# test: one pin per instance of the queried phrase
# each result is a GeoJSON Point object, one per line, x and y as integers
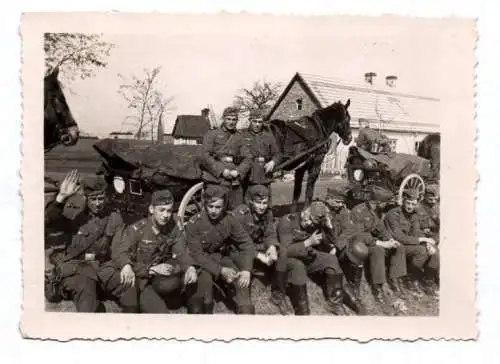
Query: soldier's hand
{"type": "Point", "coordinates": [269, 166]}
{"type": "Point", "coordinates": [69, 186]}
{"type": "Point", "coordinates": [314, 239]}
{"type": "Point", "coordinates": [190, 276]}
{"type": "Point", "coordinates": [244, 279]}
{"type": "Point", "coordinates": [127, 276]}
{"type": "Point", "coordinates": [333, 251]}
{"type": "Point", "coordinates": [162, 269]}
{"type": "Point", "coordinates": [234, 173]}
{"type": "Point", "coordinates": [228, 274]}
{"type": "Point", "coordinates": [226, 174]}
{"type": "Point", "coordinates": [272, 253]}
{"type": "Point", "coordinates": [264, 259]}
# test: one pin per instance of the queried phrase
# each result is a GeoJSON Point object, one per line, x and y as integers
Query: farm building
{"type": "Point", "coordinates": [405, 118]}
{"type": "Point", "coordinates": [121, 135]}
{"type": "Point", "coordinates": [190, 129]}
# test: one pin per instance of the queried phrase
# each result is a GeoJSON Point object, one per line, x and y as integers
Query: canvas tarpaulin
{"type": "Point", "coordinates": [179, 161]}
{"type": "Point", "coordinates": [399, 165]}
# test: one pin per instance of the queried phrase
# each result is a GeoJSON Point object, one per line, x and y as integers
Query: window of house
{"type": "Point", "coordinates": [299, 104]}
{"type": "Point", "coordinates": [394, 144]}
{"type": "Point", "coordinates": [417, 145]}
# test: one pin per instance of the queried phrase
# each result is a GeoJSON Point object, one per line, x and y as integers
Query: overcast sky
{"type": "Point", "coordinates": [207, 62]}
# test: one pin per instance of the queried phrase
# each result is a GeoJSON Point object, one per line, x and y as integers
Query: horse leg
{"type": "Point", "coordinates": [312, 177]}
{"type": "Point", "coordinates": [297, 187]}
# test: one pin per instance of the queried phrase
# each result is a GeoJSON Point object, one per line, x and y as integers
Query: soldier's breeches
{"type": "Point", "coordinates": [151, 302]}
{"type": "Point", "coordinates": [397, 262]}
{"type": "Point", "coordinates": [241, 295]}
{"type": "Point", "coordinates": [322, 262]}
{"type": "Point", "coordinates": [433, 262]}
{"type": "Point", "coordinates": [234, 196]}
{"type": "Point", "coordinates": [83, 291]}
{"type": "Point", "coordinates": [378, 257]}
{"type": "Point", "coordinates": [297, 273]}
{"type": "Point", "coordinates": [127, 298]}
{"type": "Point", "coordinates": [165, 285]}
{"type": "Point", "coordinates": [202, 291]}
{"type": "Point", "coordinates": [416, 255]}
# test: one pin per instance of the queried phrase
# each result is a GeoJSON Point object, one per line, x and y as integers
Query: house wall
{"type": "Point", "coordinates": [187, 141]}
{"type": "Point", "coordinates": [287, 109]}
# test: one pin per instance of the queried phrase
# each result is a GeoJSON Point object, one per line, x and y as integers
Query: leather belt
{"type": "Point", "coordinates": [260, 159]}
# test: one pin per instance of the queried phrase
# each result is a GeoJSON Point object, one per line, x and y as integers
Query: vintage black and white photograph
{"type": "Point", "coordinates": [252, 165]}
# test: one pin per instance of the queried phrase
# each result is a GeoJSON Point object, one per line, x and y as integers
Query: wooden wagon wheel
{"type": "Point", "coordinates": [190, 204]}
{"type": "Point", "coordinates": [412, 181]}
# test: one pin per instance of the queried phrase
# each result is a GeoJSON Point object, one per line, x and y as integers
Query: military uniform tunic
{"type": "Point", "coordinates": [405, 228]}
{"type": "Point", "coordinates": [429, 220]}
{"type": "Point", "coordinates": [369, 223]}
{"type": "Point", "coordinates": [86, 264]}
{"type": "Point", "coordinates": [263, 149]}
{"type": "Point", "coordinates": [291, 237]}
{"type": "Point", "coordinates": [217, 244]}
{"type": "Point", "coordinates": [143, 245]}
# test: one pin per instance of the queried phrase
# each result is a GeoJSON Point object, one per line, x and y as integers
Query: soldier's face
{"type": "Point", "coordinates": [256, 124]}
{"type": "Point", "coordinates": [431, 200]}
{"type": "Point", "coordinates": [230, 122]}
{"type": "Point", "coordinates": [96, 203]}
{"type": "Point", "coordinates": [162, 213]}
{"type": "Point", "coordinates": [259, 205]}
{"type": "Point", "coordinates": [373, 204]}
{"type": "Point", "coordinates": [215, 208]}
{"type": "Point", "coordinates": [409, 205]}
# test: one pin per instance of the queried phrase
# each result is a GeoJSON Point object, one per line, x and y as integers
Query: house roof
{"type": "Point", "coordinates": [190, 126]}
{"type": "Point", "coordinates": [397, 110]}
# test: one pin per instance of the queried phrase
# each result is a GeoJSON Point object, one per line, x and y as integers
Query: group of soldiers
{"type": "Point", "coordinates": [235, 238]}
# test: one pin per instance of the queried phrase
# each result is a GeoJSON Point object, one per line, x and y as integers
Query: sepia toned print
{"type": "Point", "coordinates": [248, 169]}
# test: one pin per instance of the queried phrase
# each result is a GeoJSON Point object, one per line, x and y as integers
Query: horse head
{"type": "Point", "coordinates": [336, 118]}
{"type": "Point", "coordinates": [59, 125]}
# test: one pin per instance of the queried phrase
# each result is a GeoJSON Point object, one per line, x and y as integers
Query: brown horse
{"type": "Point", "coordinates": [59, 125]}
{"type": "Point", "coordinates": [299, 135]}
{"type": "Point", "coordinates": [430, 149]}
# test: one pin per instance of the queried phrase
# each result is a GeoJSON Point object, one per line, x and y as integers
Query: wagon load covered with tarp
{"type": "Point", "coordinates": [135, 170]}
{"type": "Point", "coordinates": [395, 172]}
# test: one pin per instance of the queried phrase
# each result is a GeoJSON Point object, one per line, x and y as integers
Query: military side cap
{"type": "Point", "coordinates": [256, 114]}
{"type": "Point", "coordinates": [432, 189]}
{"type": "Point", "coordinates": [214, 192]}
{"type": "Point", "coordinates": [381, 194]}
{"type": "Point", "coordinates": [231, 110]}
{"type": "Point", "coordinates": [411, 194]}
{"type": "Point", "coordinates": [337, 193]}
{"type": "Point", "coordinates": [93, 184]}
{"type": "Point", "coordinates": [162, 197]}
{"type": "Point", "coordinates": [318, 210]}
{"type": "Point", "coordinates": [258, 191]}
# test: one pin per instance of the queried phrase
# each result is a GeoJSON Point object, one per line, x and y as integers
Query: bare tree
{"type": "Point", "coordinates": [145, 99]}
{"type": "Point", "coordinates": [76, 54]}
{"type": "Point", "coordinates": [261, 95]}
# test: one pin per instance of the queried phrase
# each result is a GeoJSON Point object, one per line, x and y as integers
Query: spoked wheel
{"type": "Point", "coordinates": [190, 204]}
{"type": "Point", "coordinates": [411, 182]}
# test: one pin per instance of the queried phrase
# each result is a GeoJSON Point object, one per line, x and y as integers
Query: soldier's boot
{"type": "Point", "coordinates": [208, 308]}
{"type": "Point", "coordinates": [397, 287]}
{"type": "Point", "coordinates": [195, 306]}
{"type": "Point", "coordinates": [300, 301]}
{"type": "Point", "coordinates": [334, 293]}
{"type": "Point", "coordinates": [245, 310]}
{"type": "Point", "coordinates": [357, 275]}
{"type": "Point", "coordinates": [379, 294]}
{"type": "Point", "coordinates": [278, 291]}
{"type": "Point", "coordinates": [130, 309]}
{"type": "Point", "coordinates": [428, 285]}
{"type": "Point", "coordinates": [352, 301]}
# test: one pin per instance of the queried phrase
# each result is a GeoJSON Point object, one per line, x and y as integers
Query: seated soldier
{"type": "Point", "coordinates": [152, 255]}
{"type": "Point", "coordinates": [223, 250]}
{"type": "Point", "coordinates": [422, 254]}
{"type": "Point", "coordinates": [257, 219]}
{"type": "Point", "coordinates": [349, 246]}
{"type": "Point", "coordinates": [301, 236]}
{"type": "Point", "coordinates": [85, 268]}
{"type": "Point", "coordinates": [428, 211]}
{"type": "Point", "coordinates": [371, 140]}
{"type": "Point", "coordinates": [367, 217]}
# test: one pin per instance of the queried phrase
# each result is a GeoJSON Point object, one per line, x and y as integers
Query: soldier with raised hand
{"type": "Point", "coordinates": [403, 224]}
{"type": "Point", "coordinates": [367, 217]}
{"type": "Point", "coordinates": [226, 159]}
{"type": "Point", "coordinates": [86, 268]}
{"type": "Point", "coordinates": [223, 250]}
{"type": "Point", "coordinates": [302, 236]}
{"type": "Point", "coordinates": [152, 255]}
{"type": "Point", "coordinates": [262, 145]}
{"type": "Point", "coordinates": [257, 219]}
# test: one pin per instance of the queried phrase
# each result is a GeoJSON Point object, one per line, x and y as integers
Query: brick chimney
{"type": "Point", "coordinates": [205, 112]}
{"type": "Point", "coordinates": [370, 77]}
{"type": "Point", "coordinates": [391, 80]}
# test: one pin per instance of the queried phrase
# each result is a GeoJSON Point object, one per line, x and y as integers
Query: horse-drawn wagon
{"type": "Point", "coordinates": [133, 173]}
{"type": "Point", "coordinates": [395, 172]}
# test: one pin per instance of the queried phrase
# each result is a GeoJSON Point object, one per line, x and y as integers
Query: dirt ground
{"type": "Point", "coordinates": [59, 162]}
